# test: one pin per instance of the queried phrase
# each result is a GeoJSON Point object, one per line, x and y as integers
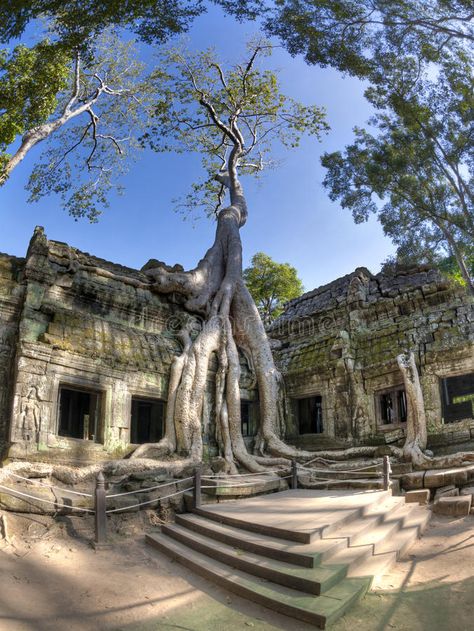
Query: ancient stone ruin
{"type": "Point", "coordinates": [338, 352]}
{"type": "Point", "coordinates": [86, 348]}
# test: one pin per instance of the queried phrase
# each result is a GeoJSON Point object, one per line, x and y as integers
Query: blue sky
{"type": "Point", "coordinates": [290, 215]}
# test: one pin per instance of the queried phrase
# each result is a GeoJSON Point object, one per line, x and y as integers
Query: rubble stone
{"type": "Point", "coordinates": [421, 496]}
{"type": "Point", "coordinates": [453, 506]}
{"type": "Point", "coordinates": [446, 491]}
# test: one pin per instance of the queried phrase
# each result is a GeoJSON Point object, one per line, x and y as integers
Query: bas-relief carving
{"type": "Point", "coordinates": [30, 416]}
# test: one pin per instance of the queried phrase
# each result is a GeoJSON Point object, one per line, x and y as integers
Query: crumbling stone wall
{"type": "Point", "coordinates": [341, 341]}
{"type": "Point", "coordinates": [92, 324]}
{"type": "Point", "coordinates": [11, 296]}
{"type": "Point", "coordinates": [80, 322]}
{"type": "Point", "coordinates": [69, 319]}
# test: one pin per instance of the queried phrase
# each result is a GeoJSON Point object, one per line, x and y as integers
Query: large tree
{"type": "Point", "coordinates": [86, 112]}
{"type": "Point", "coordinates": [80, 86]}
{"type": "Point", "coordinates": [232, 117]}
{"type": "Point", "coordinates": [271, 285]}
{"type": "Point", "coordinates": [415, 168]}
{"type": "Point", "coordinates": [355, 35]}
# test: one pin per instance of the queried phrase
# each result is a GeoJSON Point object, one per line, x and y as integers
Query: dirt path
{"type": "Point", "coordinates": [52, 581]}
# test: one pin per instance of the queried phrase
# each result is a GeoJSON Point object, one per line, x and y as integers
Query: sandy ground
{"type": "Point", "coordinates": [51, 579]}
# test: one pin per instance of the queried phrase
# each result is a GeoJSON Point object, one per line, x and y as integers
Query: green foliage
{"type": "Point", "coordinates": [78, 22]}
{"type": "Point", "coordinates": [271, 284]}
{"type": "Point", "coordinates": [355, 35]}
{"type": "Point", "coordinates": [421, 163]}
{"type": "Point", "coordinates": [449, 266]}
{"type": "Point", "coordinates": [243, 96]}
{"type": "Point", "coordinates": [30, 81]}
{"type": "Point", "coordinates": [86, 157]}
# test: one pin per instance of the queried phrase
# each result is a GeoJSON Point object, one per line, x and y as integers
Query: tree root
{"type": "Point", "coordinates": [71, 475]}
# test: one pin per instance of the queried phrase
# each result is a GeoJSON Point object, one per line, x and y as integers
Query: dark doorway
{"type": "Point", "coordinates": [310, 415]}
{"type": "Point", "coordinates": [147, 420]}
{"type": "Point", "coordinates": [79, 414]}
{"type": "Point", "coordinates": [458, 397]}
{"type": "Point", "coordinates": [248, 418]}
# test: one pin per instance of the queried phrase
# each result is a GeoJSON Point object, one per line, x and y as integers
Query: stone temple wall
{"type": "Point", "coordinates": [11, 298]}
{"type": "Point", "coordinates": [86, 323]}
{"type": "Point", "coordinates": [92, 326]}
{"type": "Point", "coordinates": [340, 342]}
{"type": "Point", "coordinates": [71, 323]}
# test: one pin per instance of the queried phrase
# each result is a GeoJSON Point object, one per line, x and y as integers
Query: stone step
{"type": "Point", "coordinates": [376, 515]}
{"type": "Point", "coordinates": [325, 521]}
{"type": "Point", "coordinates": [303, 555]}
{"type": "Point", "coordinates": [318, 610]}
{"type": "Point", "coordinates": [264, 545]}
{"type": "Point", "coordinates": [315, 580]}
{"type": "Point", "coordinates": [382, 545]}
{"type": "Point", "coordinates": [391, 550]}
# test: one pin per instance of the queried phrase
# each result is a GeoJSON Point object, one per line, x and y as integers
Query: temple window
{"type": "Point", "coordinates": [79, 414]}
{"type": "Point", "coordinates": [310, 415]}
{"type": "Point", "coordinates": [458, 397]}
{"type": "Point", "coordinates": [248, 417]}
{"type": "Point", "coordinates": [147, 421]}
{"type": "Point", "coordinates": [391, 406]}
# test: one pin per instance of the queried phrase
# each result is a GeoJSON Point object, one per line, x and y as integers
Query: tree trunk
{"type": "Point", "coordinates": [215, 288]}
{"type": "Point", "coordinates": [416, 437]}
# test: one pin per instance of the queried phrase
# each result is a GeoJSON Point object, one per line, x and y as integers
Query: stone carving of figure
{"type": "Point", "coordinates": [30, 415]}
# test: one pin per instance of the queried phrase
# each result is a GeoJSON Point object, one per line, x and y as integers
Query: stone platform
{"type": "Point", "coordinates": [304, 553]}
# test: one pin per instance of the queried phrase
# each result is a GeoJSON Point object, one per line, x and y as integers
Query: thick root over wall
{"type": "Point", "coordinates": [215, 290]}
{"type": "Point", "coordinates": [78, 475]}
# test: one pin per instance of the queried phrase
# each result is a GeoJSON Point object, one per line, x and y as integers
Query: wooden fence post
{"type": "Point", "coordinates": [386, 473]}
{"type": "Point", "coordinates": [197, 487]}
{"type": "Point", "coordinates": [294, 474]}
{"type": "Point", "coordinates": [100, 505]}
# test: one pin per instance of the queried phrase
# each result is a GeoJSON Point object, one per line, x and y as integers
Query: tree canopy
{"type": "Point", "coordinates": [89, 111]}
{"type": "Point", "coordinates": [342, 33]}
{"type": "Point", "coordinates": [354, 36]}
{"type": "Point", "coordinates": [81, 87]}
{"type": "Point", "coordinates": [420, 164]}
{"type": "Point", "coordinates": [271, 285]}
{"type": "Point", "coordinates": [217, 110]}
{"type": "Point", "coordinates": [78, 22]}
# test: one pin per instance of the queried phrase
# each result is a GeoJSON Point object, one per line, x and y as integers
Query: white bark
{"type": "Point", "coordinates": [76, 106]}
{"type": "Point", "coordinates": [216, 289]}
{"type": "Point", "coordinates": [416, 437]}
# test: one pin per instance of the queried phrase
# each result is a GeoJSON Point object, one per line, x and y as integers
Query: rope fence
{"type": "Point", "coordinates": [147, 490]}
{"type": "Point", "coordinates": [57, 505]}
{"type": "Point", "coordinates": [100, 496]}
{"type": "Point", "coordinates": [376, 474]}
{"type": "Point", "coordinates": [165, 497]}
{"type": "Point", "coordinates": [100, 510]}
{"type": "Point", "coordinates": [241, 475]}
{"type": "Point", "coordinates": [237, 486]}
{"type": "Point", "coordinates": [368, 472]}
{"type": "Point", "coordinates": [50, 486]}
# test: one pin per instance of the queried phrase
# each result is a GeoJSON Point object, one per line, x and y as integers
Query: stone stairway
{"type": "Point", "coordinates": [304, 553]}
